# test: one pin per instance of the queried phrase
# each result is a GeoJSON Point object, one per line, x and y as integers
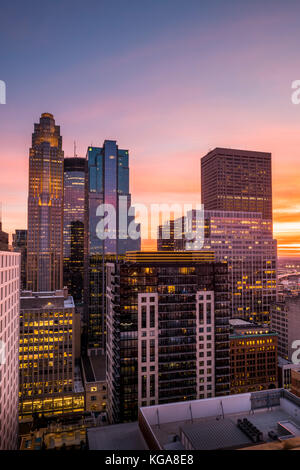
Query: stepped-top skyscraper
{"type": "Point", "coordinates": [237, 180]}
{"type": "Point", "coordinates": [45, 207]}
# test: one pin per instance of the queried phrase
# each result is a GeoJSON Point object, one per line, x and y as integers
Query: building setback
{"type": "Point", "coordinates": [9, 343]}
{"type": "Point", "coordinates": [167, 330]}
{"type": "Point", "coordinates": [237, 180]}
{"type": "Point", "coordinates": [45, 208]}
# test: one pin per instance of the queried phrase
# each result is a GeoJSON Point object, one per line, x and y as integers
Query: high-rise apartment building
{"type": "Point", "coordinates": [9, 344]}
{"type": "Point", "coordinates": [73, 228]}
{"type": "Point", "coordinates": [45, 208]}
{"type": "Point", "coordinates": [167, 330]}
{"type": "Point", "coordinates": [20, 245]}
{"type": "Point", "coordinates": [285, 320]}
{"type": "Point", "coordinates": [237, 180]}
{"type": "Point", "coordinates": [47, 354]}
{"type": "Point", "coordinates": [107, 183]}
{"type": "Point", "coordinates": [253, 357]}
{"type": "Point", "coordinates": [244, 240]}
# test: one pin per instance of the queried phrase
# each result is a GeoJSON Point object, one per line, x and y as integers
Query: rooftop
{"type": "Point", "coordinates": [94, 368]}
{"type": "Point", "coordinates": [212, 423]}
{"type": "Point", "coordinates": [52, 299]}
{"type": "Point", "coordinates": [125, 436]}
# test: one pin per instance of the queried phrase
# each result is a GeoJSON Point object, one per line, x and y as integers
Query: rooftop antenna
{"type": "Point", "coordinates": [75, 154]}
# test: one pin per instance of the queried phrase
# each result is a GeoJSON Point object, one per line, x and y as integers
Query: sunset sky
{"type": "Point", "coordinates": [168, 79]}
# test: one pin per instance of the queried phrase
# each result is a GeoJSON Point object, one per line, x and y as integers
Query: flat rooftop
{"type": "Point", "coordinates": [211, 424]}
{"type": "Point", "coordinates": [94, 368]}
{"type": "Point", "coordinates": [219, 433]}
{"type": "Point", "coordinates": [46, 300]}
{"type": "Point", "coordinates": [125, 436]}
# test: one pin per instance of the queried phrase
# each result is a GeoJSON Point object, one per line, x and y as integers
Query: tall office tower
{"type": "Point", "coordinates": [45, 208]}
{"type": "Point", "coordinates": [167, 239]}
{"type": "Point", "coordinates": [285, 320]}
{"type": "Point", "coordinates": [73, 238]}
{"type": "Point", "coordinates": [20, 245]}
{"type": "Point", "coordinates": [48, 335]}
{"type": "Point", "coordinates": [237, 180]}
{"type": "Point", "coordinates": [167, 330]}
{"type": "Point", "coordinates": [253, 357]}
{"type": "Point", "coordinates": [3, 239]}
{"type": "Point", "coordinates": [107, 183]}
{"type": "Point", "coordinates": [9, 344]}
{"type": "Point", "coordinates": [245, 241]}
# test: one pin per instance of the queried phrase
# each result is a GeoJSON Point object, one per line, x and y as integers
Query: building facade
{"type": "Point", "coordinates": [95, 385]}
{"type": "Point", "coordinates": [73, 228]}
{"type": "Point", "coordinates": [107, 183]}
{"type": "Point", "coordinates": [253, 357]}
{"type": "Point", "coordinates": [237, 180]}
{"type": "Point", "coordinates": [167, 330]}
{"type": "Point", "coordinates": [45, 208]}
{"type": "Point", "coordinates": [285, 320]}
{"type": "Point", "coordinates": [9, 343]}
{"type": "Point", "coordinates": [47, 355]}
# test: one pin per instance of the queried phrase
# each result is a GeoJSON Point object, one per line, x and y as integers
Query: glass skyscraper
{"type": "Point", "coordinates": [73, 229]}
{"type": "Point", "coordinates": [45, 207]}
{"type": "Point", "coordinates": [107, 183]}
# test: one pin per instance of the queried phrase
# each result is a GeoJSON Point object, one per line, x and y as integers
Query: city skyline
{"type": "Point", "coordinates": [283, 223]}
{"type": "Point", "coordinates": [170, 93]}
{"type": "Point", "coordinates": [149, 227]}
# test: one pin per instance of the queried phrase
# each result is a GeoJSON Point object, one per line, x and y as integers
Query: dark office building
{"type": "Point", "coordinates": [253, 357]}
{"type": "Point", "coordinates": [74, 194]}
{"type": "Point", "coordinates": [20, 245]}
{"type": "Point", "coordinates": [107, 183]}
{"type": "Point", "coordinates": [45, 208]}
{"type": "Point", "coordinates": [167, 330]}
{"type": "Point", "coordinates": [237, 180]}
{"type": "Point", "coordinates": [3, 239]}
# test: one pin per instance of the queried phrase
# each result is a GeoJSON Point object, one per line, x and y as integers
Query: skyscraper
{"type": "Point", "coordinates": [237, 180]}
{"type": "Point", "coordinates": [244, 240]}
{"type": "Point", "coordinates": [167, 330]}
{"type": "Point", "coordinates": [20, 245]}
{"type": "Point", "coordinates": [73, 232]}
{"type": "Point", "coordinates": [45, 207]}
{"type": "Point", "coordinates": [107, 183]}
{"type": "Point", "coordinates": [9, 344]}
